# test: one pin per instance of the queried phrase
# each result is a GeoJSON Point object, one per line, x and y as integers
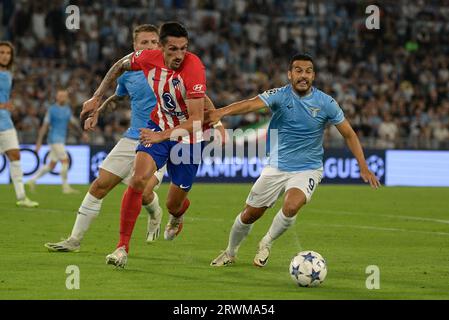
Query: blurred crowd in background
{"type": "Point", "coordinates": [392, 83]}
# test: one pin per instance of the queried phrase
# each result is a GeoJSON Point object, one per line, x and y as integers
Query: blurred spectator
{"type": "Point", "coordinates": [392, 83]}
{"type": "Point", "coordinates": [388, 131]}
{"type": "Point", "coordinates": [441, 135]}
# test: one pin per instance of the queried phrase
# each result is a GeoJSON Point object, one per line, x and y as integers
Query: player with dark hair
{"type": "Point", "coordinates": [9, 143]}
{"type": "Point", "coordinates": [178, 80]}
{"type": "Point", "coordinates": [300, 115]}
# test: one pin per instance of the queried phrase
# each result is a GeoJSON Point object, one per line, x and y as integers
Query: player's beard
{"type": "Point", "coordinates": [176, 63]}
{"type": "Point", "coordinates": [302, 91]}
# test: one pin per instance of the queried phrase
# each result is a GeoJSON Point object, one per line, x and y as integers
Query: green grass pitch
{"type": "Point", "coordinates": [403, 231]}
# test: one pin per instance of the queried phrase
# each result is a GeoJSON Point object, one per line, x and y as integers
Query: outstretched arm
{"type": "Point", "coordinates": [193, 125]}
{"type": "Point", "coordinates": [91, 105]}
{"type": "Point", "coordinates": [7, 106]}
{"type": "Point", "coordinates": [241, 107]}
{"type": "Point", "coordinates": [92, 120]}
{"type": "Point", "coordinates": [222, 135]}
{"type": "Point", "coordinates": [352, 141]}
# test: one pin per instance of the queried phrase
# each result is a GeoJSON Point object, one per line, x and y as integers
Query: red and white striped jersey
{"type": "Point", "coordinates": [171, 87]}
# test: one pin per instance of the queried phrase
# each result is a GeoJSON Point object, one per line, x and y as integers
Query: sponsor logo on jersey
{"type": "Point", "coordinates": [198, 87]}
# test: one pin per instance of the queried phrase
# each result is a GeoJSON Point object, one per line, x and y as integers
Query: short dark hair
{"type": "Point", "coordinates": [300, 57]}
{"type": "Point", "coordinates": [9, 44]}
{"type": "Point", "coordinates": [172, 29]}
{"type": "Point", "coordinates": [144, 28]}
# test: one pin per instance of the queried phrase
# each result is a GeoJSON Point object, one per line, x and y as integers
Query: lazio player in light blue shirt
{"type": "Point", "coordinates": [58, 118]}
{"type": "Point", "coordinates": [9, 143]}
{"type": "Point", "coordinates": [56, 122]}
{"type": "Point", "coordinates": [300, 113]}
{"type": "Point", "coordinates": [299, 123]}
{"type": "Point", "coordinates": [143, 100]}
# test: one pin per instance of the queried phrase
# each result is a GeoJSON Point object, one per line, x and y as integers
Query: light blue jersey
{"type": "Point", "coordinates": [58, 118]}
{"type": "Point", "coordinates": [5, 93]}
{"type": "Point", "coordinates": [135, 85]}
{"type": "Point", "coordinates": [300, 123]}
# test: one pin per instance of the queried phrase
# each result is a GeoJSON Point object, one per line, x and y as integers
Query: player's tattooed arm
{"type": "Point", "coordinates": [91, 105]}
{"type": "Point", "coordinates": [110, 102]}
{"type": "Point", "coordinates": [124, 64]}
{"type": "Point", "coordinates": [92, 120]}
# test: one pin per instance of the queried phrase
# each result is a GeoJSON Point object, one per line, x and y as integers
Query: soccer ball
{"type": "Point", "coordinates": [308, 269]}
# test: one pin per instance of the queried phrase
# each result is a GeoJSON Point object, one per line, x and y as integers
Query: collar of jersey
{"type": "Point", "coordinates": [309, 96]}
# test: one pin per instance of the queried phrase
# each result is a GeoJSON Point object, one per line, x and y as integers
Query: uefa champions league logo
{"type": "Point", "coordinates": [96, 161]}
{"type": "Point", "coordinates": [376, 165]}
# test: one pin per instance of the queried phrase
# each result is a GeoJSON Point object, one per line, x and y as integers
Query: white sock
{"type": "Point", "coordinates": [17, 179]}
{"type": "Point", "coordinates": [279, 225]}
{"type": "Point", "coordinates": [42, 171]}
{"type": "Point", "coordinates": [64, 169]}
{"type": "Point", "coordinates": [153, 207]}
{"type": "Point", "coordinates": [88, 211]}
{"type": "Point", "coordinates": [239, 232]}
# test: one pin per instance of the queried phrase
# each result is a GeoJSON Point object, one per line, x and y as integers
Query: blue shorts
{"type": "Point", "coordinates": [182, 159]}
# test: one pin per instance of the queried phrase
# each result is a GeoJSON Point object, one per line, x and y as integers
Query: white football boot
{"type": "Point", "coordinates": [173, 227]}
{"type": "Point", "coordinates": [224, 259]}
{"type": "Point", "coordinates": [66, 245]}
{"type": "Point", "coordinates": [118, 258]}
{"type": "Point", "coordinates": [262, 255]}
{"type": "Point", "coordinates": [27, 203]}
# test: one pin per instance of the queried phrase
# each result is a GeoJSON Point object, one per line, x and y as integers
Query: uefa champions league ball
{"type": "Point", "coordinates": [308, 269]}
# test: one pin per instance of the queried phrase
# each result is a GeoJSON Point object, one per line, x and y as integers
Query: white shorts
{"type": "Point", "coordinates": [273, 182]}
{"type": "Point", "coordinates": [8, 140]}
{"type": "Point", "coordinates": [120, 161]}
{"type": "Point", "coordinates": [57, 152]}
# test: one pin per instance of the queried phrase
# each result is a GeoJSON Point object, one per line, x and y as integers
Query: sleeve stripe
{"type": "Point", "coordinates": [264, 100]}
{"type": "Point", "coordinates": [338, 122]}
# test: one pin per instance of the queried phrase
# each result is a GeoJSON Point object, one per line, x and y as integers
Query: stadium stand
{"type": "Point", "coordinates": [393, 83]}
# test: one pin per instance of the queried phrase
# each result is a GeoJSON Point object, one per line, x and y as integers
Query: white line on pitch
{"type": "Point", "coordinates": [376, 228]}
{"type": "Point", "coordinates": [381, 215]}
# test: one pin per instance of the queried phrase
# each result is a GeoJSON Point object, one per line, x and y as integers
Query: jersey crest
{"type": "Point", "coordinates": [314, 111]}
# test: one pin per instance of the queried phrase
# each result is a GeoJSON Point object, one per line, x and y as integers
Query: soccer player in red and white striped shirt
{"type": "Point", "coordinates": [179, 82]}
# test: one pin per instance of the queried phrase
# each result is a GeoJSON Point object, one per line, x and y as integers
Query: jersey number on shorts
{"type": "Point", "coordinates": [311, 184]}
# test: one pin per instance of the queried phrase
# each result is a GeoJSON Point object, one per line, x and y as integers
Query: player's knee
{"type": "Point", "coordinates": [99, 188]}
{"type": "Point", "coordinates": [291, 209]}
{"type": "Point", "coordinates": [251, 214]}
{"type": "Point", "coordinates": [138, 182]}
